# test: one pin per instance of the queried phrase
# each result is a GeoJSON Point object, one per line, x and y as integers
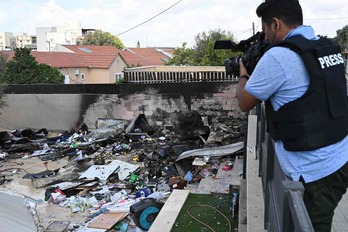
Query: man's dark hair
{"type": "Point", "coordinates": [289, 11]}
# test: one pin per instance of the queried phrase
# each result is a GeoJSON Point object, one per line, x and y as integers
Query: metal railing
{"type": "Point", "coordinates": [167, 76]}
{"type": "Point", "coordinates": [284, 207]}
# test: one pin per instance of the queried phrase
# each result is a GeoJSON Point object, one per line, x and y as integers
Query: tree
{"type": "Point", "coordinates": [3, 60]}
{"type": "Point", "coordinates": [24, 69]}
{"type": "Point", "coordinates": [182, 56]}
{"type": "Point", "coordinates": [101, 38]}
{"type": "Point", "coordinates": [203, 52]}
{"type": "Point", "coordinates": [3, 97]}
{"type": "Point", "coordinates": [342, 37]}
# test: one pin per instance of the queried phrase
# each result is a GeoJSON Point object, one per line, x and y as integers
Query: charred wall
{"type": "Point", "coordinates": [65, 107]}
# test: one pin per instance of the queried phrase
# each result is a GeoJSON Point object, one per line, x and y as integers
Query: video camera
{"type": "Point", "coordinates": [253, 48]}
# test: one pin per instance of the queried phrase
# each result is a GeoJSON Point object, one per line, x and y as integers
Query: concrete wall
{"type": "Point", "coordinates": [51, 111]}
{"type": "Point", "coordinates": [66, 107]}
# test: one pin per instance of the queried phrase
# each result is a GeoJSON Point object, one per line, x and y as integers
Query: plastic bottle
{"type": "Point", "coordinates": [188, 176]}
{"type": "Point", "coordinates": [124, 227]}
{"type": "Point", "coordinates": [135, 229]}
{"type": "Point", "coordinates": [98, 212]}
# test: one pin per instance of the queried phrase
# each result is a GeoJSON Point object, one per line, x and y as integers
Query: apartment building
{"type": "Point", "coordinates": [7, 41]}
{"type": "Point", "coordinates": [25, 40]}
{"type": "Point", "coordinates": [49, 37]}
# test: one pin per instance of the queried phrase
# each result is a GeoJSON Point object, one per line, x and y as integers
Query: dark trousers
{"type": "Point", "coordinates": [321, 197]}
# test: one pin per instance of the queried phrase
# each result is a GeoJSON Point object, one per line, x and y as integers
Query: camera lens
{"type": "Point", "coordinates": [232, 66]}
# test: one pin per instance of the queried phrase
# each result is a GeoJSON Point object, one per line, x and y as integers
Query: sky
{"type": "Point", "coordinates": [161, 23]}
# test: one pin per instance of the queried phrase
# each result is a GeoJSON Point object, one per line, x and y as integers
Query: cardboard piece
{"type": "Point", "coordinates": [102, 172]}
{"type": "Point", "coordinates": [107, 220]}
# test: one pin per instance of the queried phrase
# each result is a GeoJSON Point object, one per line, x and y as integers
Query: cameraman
{"type": "Point", "coordinates": [301, 79]}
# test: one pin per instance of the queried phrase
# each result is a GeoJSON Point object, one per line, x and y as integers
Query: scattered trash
{"type": "Point", "coordinates": [121, 173]}
{"type": "Point", "coordinates": [188, 177]}
{"type": "Point", "coordinates": [97, 212]}
{"type": "Point", "coordinates": [234, 202]}
{"type": "Point", "coordinates": [144, 192]}
{"type": "Point", "coordinates": [42, 174]}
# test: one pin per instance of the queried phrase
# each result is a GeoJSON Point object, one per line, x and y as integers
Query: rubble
{"type": "Point", "coordinates": [116, 167]}
{"type": "Point", "coordinates": [212, 151]}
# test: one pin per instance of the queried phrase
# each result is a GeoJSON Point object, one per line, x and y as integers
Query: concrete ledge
{"type": "Point", "coordinates": [242, 216]}
{"type": "Point", "coordinates": [255, 201]}
{"type": "Point", "coordinates": [166, 218]}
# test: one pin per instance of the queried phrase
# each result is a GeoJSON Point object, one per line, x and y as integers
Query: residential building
{"type": "Point", "coordinates": [107, 62]}
{"type": "Point", "coordinates": [7, 41]}
{"type": "Point", "coordinates": [49, 37]}
{"type": "Point", "coordinates": [100, 63]}
{"type": "Point", "coordinates": [88, 64]}
{"type": "Point", "coordinates": [82, 64]}
{"type": "Point", "coordinates": [23, 40]}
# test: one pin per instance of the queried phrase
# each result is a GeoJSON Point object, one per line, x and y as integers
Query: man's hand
{"type": "Point", "coordinates": [245, 101]}
{"type": "Point", "coordinates": [242, 69]}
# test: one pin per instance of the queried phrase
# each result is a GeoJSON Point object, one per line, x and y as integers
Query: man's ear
{"type": "Point", "coordinates": [276, 24]}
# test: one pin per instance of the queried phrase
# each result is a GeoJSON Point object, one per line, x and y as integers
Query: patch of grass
{"type": "Point", "coordinates": [206, 209]}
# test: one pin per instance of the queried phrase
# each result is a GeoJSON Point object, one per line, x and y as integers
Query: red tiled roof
{"type": "Point", "coordinates": [95, 56]}
{"type": "Point", "coordinates": [59, 59]}
{"type": "Point", "coordinates": [135, 60]}
{"type": "Point", "coordinates": [145, 56]}
{"type": "Point", "coordinates": [10, 54]}
{"type": "Point", "coordinates": [169, 50]}
{"type": "Point", "coordinates": [94, 50]}
{"type": "Point", "coordinates": [55, 59]}
{"type": "Point", "coordinates": [100, 56]}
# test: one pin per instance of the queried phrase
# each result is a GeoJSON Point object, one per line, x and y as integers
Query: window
{"type": "Point", "coordinates": [118, 77]}
{"type": "Point", "coordinates": [85, 50]}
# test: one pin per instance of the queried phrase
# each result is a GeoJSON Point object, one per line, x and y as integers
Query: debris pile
{"type": "Point", "coordinates": [120, 168]}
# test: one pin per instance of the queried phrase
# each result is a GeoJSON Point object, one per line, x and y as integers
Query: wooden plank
{"type": "Point", "coordinates": [167, 216]}
{"type": "Point", "coordinates": [107, 220]}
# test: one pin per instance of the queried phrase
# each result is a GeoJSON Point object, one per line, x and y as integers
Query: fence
{"type": "Point", "coordinates": [284, 207]}
{"type": "Point", "coordinates": [177, 74]}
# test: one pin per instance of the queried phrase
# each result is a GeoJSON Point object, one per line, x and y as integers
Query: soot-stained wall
{"type": "Point", "coordinates": [66, 107]}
